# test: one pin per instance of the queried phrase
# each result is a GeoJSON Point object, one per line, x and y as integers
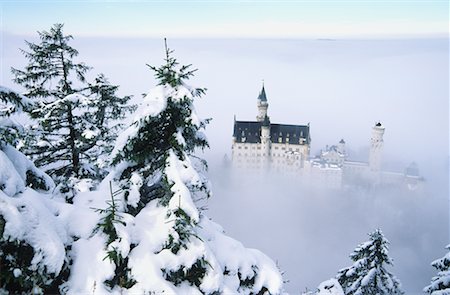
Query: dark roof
{"type": "Point", "coordinates": [262, 95]}
{"type": "Point", "coordinates": [342, 141]}
{"type": "Point", "coordinates": [378, 124]}
{"type": "Point", "coordinates": [251, 131]}
{"type": "Point", "coordinates": [293, 132]}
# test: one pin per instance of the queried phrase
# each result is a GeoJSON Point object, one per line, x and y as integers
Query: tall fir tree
{"type": "Point", "coordinates": [72, 117]}
{"type": "Point", "coordinates": [149, 154]}
{"type": "Point", "coordinates": [368, 274]}
{"type": "Point", "coordinates": [440, 284]}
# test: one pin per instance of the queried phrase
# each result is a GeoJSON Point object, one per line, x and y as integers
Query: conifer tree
{"type": "Point", "coordinates": [48, 80]}
{"type": "Point", "coordinates": [440, 284]}
{"type": "Point", "coordinates": [368, 274]}
{"type": "Point", "coordinates": [151, 153]}
{"type": "Point", "coordinates": [72, 117]}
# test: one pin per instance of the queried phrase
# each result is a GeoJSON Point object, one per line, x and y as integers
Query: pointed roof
{"type": "Point", "coordinates": [262, 95]}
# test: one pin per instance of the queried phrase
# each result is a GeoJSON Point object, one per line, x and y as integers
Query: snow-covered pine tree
{"type": "Point", "coordinates": [440, 284]}
{"type": "Point", "coordinates": [168, 245]}
{"type": "Point", "coordinates": [72, 121]}
{"type": "Point", "coordinates": [106, 111]}
{"type": "Point", "coordinates": [27, 264]}
{"type": "Point", "coordinates": [48, 81]}
{"type": "Point", "coordinates": [368, 274]}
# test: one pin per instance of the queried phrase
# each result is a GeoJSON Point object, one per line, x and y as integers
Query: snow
{"type": "Point", "coordinates": [89, 134]}
{"type": "Point", "coordinates": [17, 272]}
{"type": "Point", "coordinates": [179, 173]}
{"type": "Point", "coordinates": [90, 268]}
{"type": "Point", "coordinates": [22, 165]}
{"type": "Point", "coordinates": [10, 180]}
{"type": "Point", "coordinates": [330, 287]}
{"type": "Point", "coordinates": [30, 217]}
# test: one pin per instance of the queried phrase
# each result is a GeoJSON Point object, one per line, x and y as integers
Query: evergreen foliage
{"type": "Point", "coordinates": [158, 134]}
{"type": "Point", "coordinates": [440, 284]}
{"type": "Point", "coordinates": [147, 150]}
{"type": "Point", "coordinates": [368, 274]}
{"type": "Point", "coordinates": [74, 130]}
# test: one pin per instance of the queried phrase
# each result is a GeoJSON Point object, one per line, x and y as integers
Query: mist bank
{"type": "Point", "coordinates": [310, 231]}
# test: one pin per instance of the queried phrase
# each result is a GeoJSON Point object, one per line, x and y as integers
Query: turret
{"type": "Point", "coordinates": [376, 147]}
{"type": "Point", "coordinates": [263, 105]}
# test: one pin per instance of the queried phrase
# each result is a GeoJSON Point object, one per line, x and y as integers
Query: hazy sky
{"type": "Point", "coordinates": [318, 19]}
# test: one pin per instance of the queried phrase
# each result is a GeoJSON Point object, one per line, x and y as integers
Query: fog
{"type": "Point", "coordinates": [310, 231]}
{"type": "Point", "coordinates": [340, 87]}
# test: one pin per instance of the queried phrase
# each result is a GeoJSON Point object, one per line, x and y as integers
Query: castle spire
{"type": "Point", "coordinates": [262, 94]}
{"type": "Point", "coordinates": [262, 105]}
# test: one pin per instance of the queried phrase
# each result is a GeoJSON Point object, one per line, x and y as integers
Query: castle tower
{"type": "Point", "coordinates": [265, 142]}
{"type": "Point", "coordinates": [376, 147]}
{"type": "Point", "coordinates": [263, 105]}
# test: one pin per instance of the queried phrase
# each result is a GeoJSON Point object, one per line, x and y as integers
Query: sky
{"type": "Point", "coordinates": [338, 65]}
{"type": "Point", "coordinates": [237, 19]}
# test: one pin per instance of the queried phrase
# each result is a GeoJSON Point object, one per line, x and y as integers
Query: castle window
{"type": "Point", "coordinates": [246, 147]}
{"type": "Point", "coordinates": [280, 139]}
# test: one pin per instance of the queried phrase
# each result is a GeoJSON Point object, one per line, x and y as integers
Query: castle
{"type": "Point", "coordinates": [261, 146]}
